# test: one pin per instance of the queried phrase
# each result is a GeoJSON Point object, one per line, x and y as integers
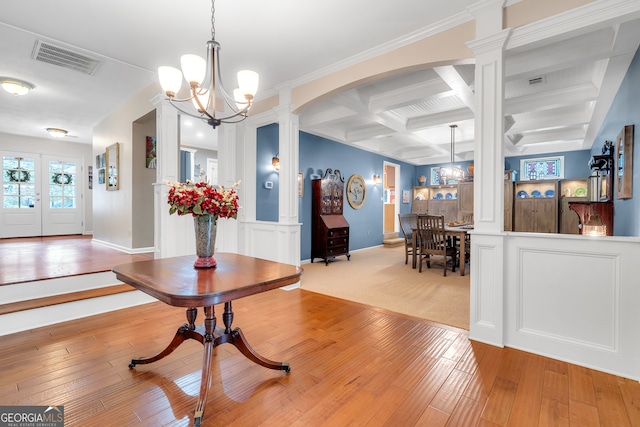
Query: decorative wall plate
{"type": "Point", "coordinates": [356, 191]}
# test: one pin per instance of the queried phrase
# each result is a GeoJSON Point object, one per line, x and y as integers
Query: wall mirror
{"type": "Point", "coordinates": [624, 163]}
{"type": "Point", "coordinates": [113, 166]}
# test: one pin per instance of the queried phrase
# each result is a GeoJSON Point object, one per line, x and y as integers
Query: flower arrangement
{"type": "Point", "coordinates": [202, 198]}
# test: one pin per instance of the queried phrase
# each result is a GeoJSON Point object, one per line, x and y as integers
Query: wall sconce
{"type": "Point", "coordinates": [275, 162]}
{"type": "Point", "coordinates": [377, 179]}
{"type": "Point", "coordinates": [595, 226]}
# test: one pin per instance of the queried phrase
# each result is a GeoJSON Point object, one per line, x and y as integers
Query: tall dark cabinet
{"type": "Point", "coordinates": [330, 229]}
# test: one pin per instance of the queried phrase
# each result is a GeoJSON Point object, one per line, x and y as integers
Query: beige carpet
{"type": "Point", "coordinates": [379, 277]}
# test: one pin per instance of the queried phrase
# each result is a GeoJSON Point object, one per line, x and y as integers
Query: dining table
{"type": "Point", "coordinates": [457, 232]}
{"type": "Point", "coordinates": [178, 283]}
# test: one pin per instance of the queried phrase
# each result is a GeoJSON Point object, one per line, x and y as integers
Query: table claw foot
{"type": "Point", "coordinates": [197, 419]}
{"type": "Point", "coordinates": [243, 346]}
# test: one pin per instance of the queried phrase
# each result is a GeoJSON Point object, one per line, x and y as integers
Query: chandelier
{"type": "Point", "coordinates": [202, 76]}
{"type": "Point", "coordinates": [451, 172]}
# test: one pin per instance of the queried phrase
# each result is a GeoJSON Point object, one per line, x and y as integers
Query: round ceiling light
{"type": "Point", "coordinates": [16, 86]}
{"type": "Point", "coordinates": [57, 133]}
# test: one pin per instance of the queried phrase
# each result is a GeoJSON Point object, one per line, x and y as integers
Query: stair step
{"type": "Point", "coordinates": [63, 298]}
{"type": "Point", "coordinates": [390, 243]}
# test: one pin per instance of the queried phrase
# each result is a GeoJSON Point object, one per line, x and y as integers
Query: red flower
{"type": "Point", "coordinates": [203, 199]}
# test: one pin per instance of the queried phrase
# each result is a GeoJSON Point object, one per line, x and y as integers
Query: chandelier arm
{"type": "Point", "coordinates": [242, 113]}
{"type": "Point", "coordinates": [202, 108]}
{"type": "Point", "coordinates": [225, 95]}
{"type": "Point", "coordinates": [188, 113]}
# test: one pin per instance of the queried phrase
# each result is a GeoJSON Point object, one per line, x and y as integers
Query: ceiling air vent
{"type": "Point", "coordinates": [63, 57]}
{"type": "Point", "coordinates": [536, 81]}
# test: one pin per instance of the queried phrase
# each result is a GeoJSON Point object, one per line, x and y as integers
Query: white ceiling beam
{"type": "Point", "coordinates": [551, 99]}
{"type": "Point", "coordinates": [454, 80]}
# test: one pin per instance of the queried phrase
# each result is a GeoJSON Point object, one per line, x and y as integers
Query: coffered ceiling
{"type": "Point", "coordinates": [557, 92]}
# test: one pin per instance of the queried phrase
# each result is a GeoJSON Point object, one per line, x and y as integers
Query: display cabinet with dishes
{"type": "Point", "coordinates": [444, 201]}
{"type": "Point", "coordinates": [535, 206]}
{"type": "Point", "coordinates": [420, 203]}
{"type": "Point", "coordinates": [571, 190]}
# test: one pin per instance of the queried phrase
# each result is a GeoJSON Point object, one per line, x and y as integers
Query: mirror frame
{"type": "Point", "coordinates": [113, 167]}
{"type": "Point", "coordinates": [624, 167]}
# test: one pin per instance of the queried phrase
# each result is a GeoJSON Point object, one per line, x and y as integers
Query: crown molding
{"type": "Point", "coordinates": [597, 13]}
{"type": "Point", "coordinates": [423, 33]}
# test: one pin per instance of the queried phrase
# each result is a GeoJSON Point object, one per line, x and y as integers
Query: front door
{"type": "Point", "coordinates": [41, 196]}
{"type": "Point", "coordinates": [21, 208]}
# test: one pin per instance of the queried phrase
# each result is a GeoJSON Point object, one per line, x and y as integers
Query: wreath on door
{"type": "Point", "coordinates": [19, 175]}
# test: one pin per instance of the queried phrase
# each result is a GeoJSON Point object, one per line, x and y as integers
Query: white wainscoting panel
{"type": "Point", "coordinates": [577, 304]}
{"type": "Point", "coordinates": [487, 289]}
{"type": "Point", "coordinates": [574, 298]}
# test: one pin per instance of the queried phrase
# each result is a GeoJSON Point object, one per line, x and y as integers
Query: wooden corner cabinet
{"type": "Point", "coordinates": [571, 190]}
{"type": "Point", "coordinates": [442, 200]}
{"type": "Point", "coordinates": [535, 206]}
{"type": "Point", "coordinates": [330, 229]}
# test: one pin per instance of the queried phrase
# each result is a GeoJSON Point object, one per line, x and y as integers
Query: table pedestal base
{"type": "Point", "coordinates": [210, 337]}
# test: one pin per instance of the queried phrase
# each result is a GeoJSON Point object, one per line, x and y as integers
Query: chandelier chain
{"type": "Point", "coordinates": [213, 20]}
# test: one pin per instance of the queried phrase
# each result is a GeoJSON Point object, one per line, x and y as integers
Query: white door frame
{"type": "Point", "coordinates": [398, 195]}
{"type": "Point", "coordinates": [32, 222]}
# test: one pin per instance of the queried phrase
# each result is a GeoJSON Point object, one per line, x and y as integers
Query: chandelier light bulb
{"type": "Point", "coordinates": [194, 68]}
{"type": "Point", "coordinates": [170, 80]}
{"type": "Point", "coordinates": [248, 82]}
{"type": "Point", "coordinates": [203, 98]}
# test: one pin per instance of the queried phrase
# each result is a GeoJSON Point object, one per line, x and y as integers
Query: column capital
{"type": "Point", "coordinates": [495, 42]}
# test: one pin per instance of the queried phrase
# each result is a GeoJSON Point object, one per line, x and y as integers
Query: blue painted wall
{"type": "Point", "coordinates": [365, 224]}
{"type": "Point", "coordinates": [625, 110]}
{"type": "Point", "coordinates": [267, 200]}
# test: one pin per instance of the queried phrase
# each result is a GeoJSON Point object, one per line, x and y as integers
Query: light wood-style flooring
{"type": "Point", "coordinates": [351, 365]}
{"type": "Point", "coordinates": [38, 258]}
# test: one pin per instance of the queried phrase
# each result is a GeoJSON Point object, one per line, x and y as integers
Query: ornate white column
{"type": "Point", "coordinates": [173, 235]}
{"type": "Point", "coordinates": [288, 201]}
{"type": "Point", "coordinates": [229, 172]}
{"type": "Point", "coordinates": [487, 268]}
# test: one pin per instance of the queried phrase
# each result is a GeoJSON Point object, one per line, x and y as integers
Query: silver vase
{"type": "Point", "coordinates": [205, 227]}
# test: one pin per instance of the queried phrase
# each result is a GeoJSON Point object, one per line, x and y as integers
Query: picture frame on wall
{"type": "Point", "coordinates": [113, 166]}
{"type": "Point", "coordinates": [300, 184]}
{"type": "Point", "coordinates": [151, 153]}
{"type": "Point", "coordinates": [623, 176]}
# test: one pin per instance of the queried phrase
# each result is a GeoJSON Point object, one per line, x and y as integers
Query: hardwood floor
{"type": "Point", "coordinates": [351, 365]}
{"type": "Point", "coordinates": [38, 258]}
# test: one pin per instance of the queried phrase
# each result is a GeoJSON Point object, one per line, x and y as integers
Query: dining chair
{"type": "Point", "coordinates": [408, 223]}
{"type": "Point", "coordinates": [433, 244]}
{"type": "Point", "coordinates": [467, 219]}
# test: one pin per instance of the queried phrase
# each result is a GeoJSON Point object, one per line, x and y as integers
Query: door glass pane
{"type": "Point", "coordinates": [18, 178]}
{"type": "Point", "coordinates": [62, 188]}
